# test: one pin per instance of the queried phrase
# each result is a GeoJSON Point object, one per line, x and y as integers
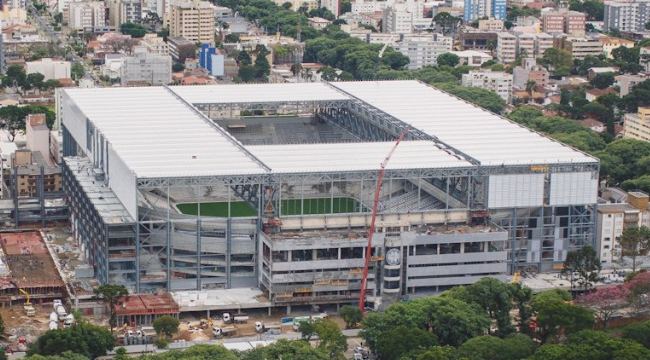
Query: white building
{"type": "Point", "coordinates": [155, 44]}
{"type": "Point", "coordinates": [397, 19]}
{"type": "Point", "coordinates": [332, 5]}
{"type": "Point", "coordinates": [499, 82]}
{"type": "Point", "coordinates": [543, 42]}
{"type": "Point", "coordinates": [51, 69]}
{"type": "Point", "coordinates": [471, 57]}
{"type": "Point", "coordinates": [506, 47]}
{"type": "Point", "coordinates": [146, 68]}
{"type": "Point", "coordinates": [86, 15]}
{"type": "Point", "coordinates": [631, 15]}
{"type": "Point", "coordinates": [526, 44]}
{"type": "Point", "coordinates": [424, 50]}
{"type": "Point", "coordinates": [614, 217]}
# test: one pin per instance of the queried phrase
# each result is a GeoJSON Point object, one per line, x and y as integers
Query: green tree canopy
{"type": "Point", "coordinates": [635, 242]}
{"type": "Point", "coordinates": [352, 315]}
{"type": "Point", "coordinates": [166, 325]}
{"type": "Point", "coordinates": [403, 342]}
{"type": "Point", "coordinates": [135, 30]}
{"type": "Point", "coordinates": [82, 338]}
{"type": "Point", "coordinates": [603, 81]}
{"type": "Point", "coordinates": [448, 59]}
{"type": "Point", "coordinates": [112, 295]}
{"type": "Point", "coordinates": [558, 61]}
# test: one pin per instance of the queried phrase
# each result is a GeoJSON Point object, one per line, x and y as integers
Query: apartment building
{"type": "Point", "coordinates": [23, 179]}
{"type": "Point", "coordinates": [194, 20]}
{"type": "Point", "coordinates": [155, 44]}
{"type": "Point", "coordinates": [543, 42]}
{"type": "Point", "coordinates": [424, 50]}
{"type": "Point", "coordinates": [180, 48]}
{"type": "Point", "coordinates": [51, 69]}
{"type": "Point", "coordinates": [86, 15]}
{"type": "Point", "coordinates": [631, 15]}
{"type": "Point", "coordinates": [644, 58]}
{"type": "Point", "coordinates": [611, 43]}
{"type": "Point", "coordinates": [145, 68]}
{"type": "Point", "coordinates": [472, 39]}
{"type": "Point", "coordinates": [477, 9]}
{"type": "Point", "coordinates": [529, 71]}
{"type": "Point", "coordinates": [613, 218]}
{"type": "Point", "coordinates": [499, 82]}
{"type": "Point", "coordinates": [579, 47]}
{"type": "Point", "coordinates": [296, 4]}
{"type": "Point", "coordinates": [637, 126]}
{"type": "Point", "coordinates": [564, 21]}
{"type": "Point", "coordinates": [506, 50]}
{"type": "Point", "coordinates": [490, 24]}
{"type": "Point", "coordinates": [526, 44]}
{"type": "Point", "coordinates": [123, 11]}
{"type": "Point", "coordinates": [397, 19]}
{"type": "Point", "coordinates": [332, 5]}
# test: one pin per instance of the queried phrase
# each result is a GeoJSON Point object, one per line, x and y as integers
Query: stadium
{"type": "Point", "coordinates": [271, 187]}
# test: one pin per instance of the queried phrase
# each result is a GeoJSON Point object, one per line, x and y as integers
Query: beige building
{"type": "Point", "coordinates": [193, 20]}
{"type": "Point", "coordinates": [123, 11]}
{"type": "Point", "coordinates": [637, 126]}
{"type": "Point", "coordinates": [564, 21]}
{"type": "Point", "coordinates": [155, 44]}
{"type": "Point", "coordinates": [26, 167]}
{"type": "Point", "coordinates": [297, 4]}
{"type": "Point", "coordinates": [579, 47]}
{"type": "Point", "coordinates": [610, 43]}
{"type": "Point", "coordinates": [490, 25]}
{"type": "Point", "coordinates": [82, 15]}
{"type": "Point", "coordinates": [506, 47]}
{"type": "Point", "coordinates": [613, 218]}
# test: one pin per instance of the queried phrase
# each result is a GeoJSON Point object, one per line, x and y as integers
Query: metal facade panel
{"type": "Point", "coordinates": [74, 120]}
{"type": "Point", "coordinates": [516, 190]}
{"type": "Point", "coordinates": [578, 188]}
{"type": "Point", "coordinates": [123, 182]}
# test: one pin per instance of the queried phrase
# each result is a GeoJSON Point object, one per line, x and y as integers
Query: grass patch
{"type": "Point", "coordinates": [338, 205]}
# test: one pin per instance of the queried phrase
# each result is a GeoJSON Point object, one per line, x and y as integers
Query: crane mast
{"type": "Point", "coordinates": [371, 230]}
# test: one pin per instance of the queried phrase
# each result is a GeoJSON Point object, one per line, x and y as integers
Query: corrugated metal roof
{"type": "Point", "coordinates": [354, 156]}
{"type": "Point", "coordinates": [258, 93]}
{"type": "Point", "coordinates": [487, 137]}
{"type": "Point", "coordinates": [157, 135]}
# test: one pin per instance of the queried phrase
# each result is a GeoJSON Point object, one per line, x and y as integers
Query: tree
{"type": "Point", "coordinates": [284, 349]}
{"type": "Point", "coordinates": [592, 345]}
{"type": "Point", "coordinates": [639, 332]}
{"type": "Point", "coordinates": [352, 315]}
{"type": "Point", "coordinates": [556, 316]}
{"type": "Point", "coordinates": [166, 326]}
{"type": "Point", "coordinates": [15, 77]}
{"type": "Point", "coordinates": [402, 342]}
{"type": "Point", "coordinates": [307, 330]}
{"type": "Point", "coordinates": [481, 97]}
{"type": "Point", "coordinates": [584, 264]}
{"type": "Point", "coordinates": [243, 58]}
{"type": "Point", "coordinates": [604, 302]}
{"type": "Point", "coordinates": [12, 118]}
{"type": "Point", "coordinates": [262, 67]}
{"type": "Point", "coordinates": [77, 71]}
{"type": "Point", "coordinates": [2, 325]}
{"type": "Point", "coordinates": [634, 241]}
{"type": "Point", "coordinates": [113, 296]}
{"type": "Point", "coordinates": [330, 338]}
{"type": "Point", "coordinates": [603, 81]}
{"type": "Point", "coordinates": [135, 30]}
{"type": "Point", "coordinates": [34, 80]}
{"type": "Point", "coordinates": [82, 338]}
{"type": "Point", "coordinates": [558, 61]}
{"type": "Point", "coordinates": [530, 87]}
{"type": "Point", "coordinates": [178, 67]}
{"type": "Point", "coordinates": [514, 347]}
{"type": "Point", "coordinates": [448, 59]}
{"type": "Point", "coordinates": [447, 22]}
{"type": "Point", "coordinates": [246, 73]}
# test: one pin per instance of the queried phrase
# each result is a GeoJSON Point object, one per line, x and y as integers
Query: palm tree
{"type": "Point", "coordinates": [530, 87]}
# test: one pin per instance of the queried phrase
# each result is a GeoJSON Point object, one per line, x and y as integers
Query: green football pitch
{"type": "Point", "coordinates": [338, 205]}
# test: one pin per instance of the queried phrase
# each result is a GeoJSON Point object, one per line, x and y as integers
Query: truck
{"type": "Point", "coordinates": [221, 331]}
{"type": "Point", "coordinates": [69, 320]}
{"type": "Point", "coordinates": [310, 319]}
{"type": "Point", "coordinates": [29, 310]}
{"type": "Point", "coordinates": [264, 327]}
{"type": "Point", "coordinates": [239, 318]}
{"type": "Point", "coordinates": [61, 312]}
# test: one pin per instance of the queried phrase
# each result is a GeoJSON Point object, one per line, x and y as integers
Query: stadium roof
{"type": "Point", "coordinates": [258, 93]}
{"type": "Point", "coordinates": [487, 137]}
{"type": "Point", "coordinates": [157, 135]}
{"type": "Point", "coordinates": [354, 156]}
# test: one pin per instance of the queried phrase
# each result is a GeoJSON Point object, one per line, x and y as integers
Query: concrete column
{"type": "Point", "coordinates": [288, 309]}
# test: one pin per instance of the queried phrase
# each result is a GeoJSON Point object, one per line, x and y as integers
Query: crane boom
{"type": "Point", "coordinates": [371, 230]}
{"type": "Point", "coordinates": [28, 301]}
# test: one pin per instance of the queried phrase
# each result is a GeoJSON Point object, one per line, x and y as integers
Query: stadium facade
{"type": "Point", "coordinates": [271, 186]}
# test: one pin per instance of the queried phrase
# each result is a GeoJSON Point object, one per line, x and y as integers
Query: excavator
{"type": "Point", "coordinates": [28, 308]}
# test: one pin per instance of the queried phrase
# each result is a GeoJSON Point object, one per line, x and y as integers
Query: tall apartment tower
{"type": "Point", "coordinates": [564, 21]}
{"type": "Point", "coordinates": [626, 15]}
{"type": "Point", "coordinates": [476, 9]}
{"type": "Point", "coordinates": [123, 11]}
{"type": "Point", "coordinates": [193, 20]}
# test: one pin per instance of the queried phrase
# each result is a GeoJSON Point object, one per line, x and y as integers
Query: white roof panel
{"type": "Point", "coordinates": [334, 157]}
{"type": "Point", "coordinates": [487, 137]}
{"type": "Point", "coordinates": [157, 135]}
{"type": "Point", "coordinates": [256, 93]}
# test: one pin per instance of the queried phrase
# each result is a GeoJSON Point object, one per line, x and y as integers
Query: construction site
{"type": "Point", "coordinates": [236, 197]}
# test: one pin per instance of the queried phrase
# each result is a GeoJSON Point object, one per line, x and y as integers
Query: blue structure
{"type": "Point", "coordinates": [476, 9]}
{"type": "Point", "coordinates": [211, 60]}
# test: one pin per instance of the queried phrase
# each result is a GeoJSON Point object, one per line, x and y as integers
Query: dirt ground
{"type": "Point", "coordinates": [19, 325]}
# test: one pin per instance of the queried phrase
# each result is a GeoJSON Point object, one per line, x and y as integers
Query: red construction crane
{"type": "Point", "coordinates": [371, 231]}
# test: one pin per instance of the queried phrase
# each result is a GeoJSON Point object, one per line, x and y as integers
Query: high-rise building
{"type": "Point", "coordinates": [86, 15]}
{"type": "Point", "coordinates": [123, 11]}
{"type": "Point", "coordinates": [193, 20]}
{"type": "Point", "coordinates": [476, 9]}
{"type": "Point", "coordinates": [626, 15]}
{"type": "Point", "coordinates": [332, 5]}
{"type": "Point", "coordinates": [424, 50]}
{"type": "Point", "coordinates": [637, 126]}
{"type": "Point", "coordinates": [506, 47]}
{"type": "Point", "coordinates": [145, 68]}
{"type": "Point", "coordinates": [564, 21]}
{"type": "Point", "coordinates": [499, 82]}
